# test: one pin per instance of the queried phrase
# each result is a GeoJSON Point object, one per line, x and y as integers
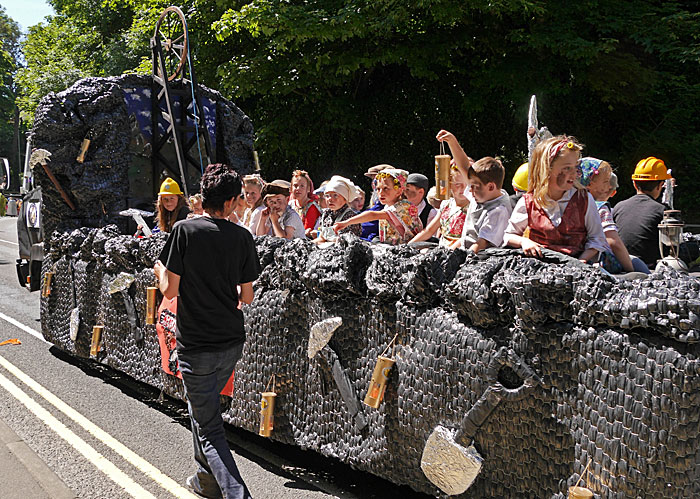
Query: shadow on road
{"type": "Point", "coordinates": [309, 466]}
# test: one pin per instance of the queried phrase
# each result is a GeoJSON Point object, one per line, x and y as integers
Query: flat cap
{"type": "Point", "coordinates": [419, 180]}
{"type": "Point", "coordinates": [373, 170]}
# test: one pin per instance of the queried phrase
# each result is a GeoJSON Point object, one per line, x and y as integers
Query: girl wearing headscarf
{"type": "Point", "coordinates": [338, 191]}
{"type": "Point", "coordinates": [303, 199]}
{"type": "Point", "coordinates": [398, 221]}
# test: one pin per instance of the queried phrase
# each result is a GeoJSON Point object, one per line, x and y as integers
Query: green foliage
{"type": "Point", "coordinates": [339, 85]}
{"type": "Point", "coordinates": [10, 57]}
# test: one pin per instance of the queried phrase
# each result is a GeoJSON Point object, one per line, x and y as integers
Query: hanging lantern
{"type": "Point", "coordinates": [580, 493]}
{"type": "Point", "coordinates": [46, 290]}
{"type": "Point", "coordinates": [267, 416]}
{"type": "Point", "coordinates": [256, 160]}
{"type": "Point", "coordinates": [267, 408]}
{"type": "Point", "coordinates": [83, 150]}
{"type": "Point", "coordinates": [380, 376]}
{"type": "Point", "coordinates": [442, 174]}
{"type": "Point", "coordinates": [577, 492]}
{"type": "Point", "coordinates": [151, 305]}
{"type": "Point", "coordinates": [96, 340]}
{"type": "Point", "coordinates": [377, 385]}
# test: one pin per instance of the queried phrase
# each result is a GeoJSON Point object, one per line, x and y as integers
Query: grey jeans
{"type": "Point", "coordinates": [205, 374]}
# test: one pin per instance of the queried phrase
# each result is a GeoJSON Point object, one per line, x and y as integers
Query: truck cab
{"type": "Point", "coordinates": [30, 233]}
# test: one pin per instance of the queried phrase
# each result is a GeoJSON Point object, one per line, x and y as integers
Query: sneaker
{"type": "Point", "coordinates": [192, 484]}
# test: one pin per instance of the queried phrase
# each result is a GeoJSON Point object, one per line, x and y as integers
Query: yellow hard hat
{"type": "Point", "coordinates": [520, 177]}
{"type": "Point", "coordinates": [651, 168]}
{"type": "Point", "coordinates": [169, 186]}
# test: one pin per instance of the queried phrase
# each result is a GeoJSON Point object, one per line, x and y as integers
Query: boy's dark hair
{"type": "Point", "coordinates": [646, 186]}
{"type": "Point", "coordinates": [487, 170]}
{"type": "Point", "coordinates": [219, 183]}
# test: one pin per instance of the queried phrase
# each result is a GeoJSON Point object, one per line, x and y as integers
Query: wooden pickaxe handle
{"type": "Point", "coordinates": [54, 181]}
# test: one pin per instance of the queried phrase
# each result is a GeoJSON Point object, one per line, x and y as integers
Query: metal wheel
{"type": "Point", "coordinates": [171, 35]}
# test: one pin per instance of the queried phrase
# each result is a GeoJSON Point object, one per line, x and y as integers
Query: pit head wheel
{"type": "Point", "coordinates": [171, 35]}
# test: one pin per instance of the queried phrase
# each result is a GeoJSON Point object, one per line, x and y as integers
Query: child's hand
{"type": "Point", "coordinates": [159, 269]}
{"type": "Point", "coordinates": [531, 131]}
{"type": "Point", "coordinates": [265, 212]}
{"type": "Point", "coordinates": [445, 136]}
{"type": "Point", "coordinates": [531, 248]}
{"type": "Point", "coordinates": [274, 216]}
{"type": "Point", "coordinates": [338, 226]}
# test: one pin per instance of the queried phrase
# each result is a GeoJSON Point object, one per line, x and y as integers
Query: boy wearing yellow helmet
{"type": "Point", "coordinates": [638, 217]}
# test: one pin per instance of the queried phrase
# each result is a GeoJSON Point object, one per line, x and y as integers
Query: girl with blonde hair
{"type": "Point", "coordinates": [253, 186]}
{"type": "Point", "coordinates": [560, 214]}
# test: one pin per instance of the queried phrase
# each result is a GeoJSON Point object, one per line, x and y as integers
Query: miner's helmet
{"type": "Point", "coordinates": [520, 178]}
{"type": "Point", "coordinates": [169, 186]}
{"type": "Point", "coordinates": [650, 168]}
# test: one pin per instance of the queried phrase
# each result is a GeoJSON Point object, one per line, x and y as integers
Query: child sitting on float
{"type": "Point", "coordinates": [358, 204]}
{"type": "Point", "coordinates": [489, 206]}
{"type": "Point", "coordinates": [336, 193]}
{"type": "Point", "coordinates": [451, 215]}
{"type": "Point", "coordinates": [278, 218]}
{"type": "Point", "coordinates": [239, 208]}
{"type": "Point", "coordinates": [195, 203]}
{"type": "Point", "coordinates": [398, 221]}
{"type": "Point", "coordinates": [303, 200]}
{"type": "Point", "coordinates": [596, 177]}
{"type": "Point", "coordinates": [560, 215]}
{"type": "Point", "coordinates": [171, 206]}
{"type": "Point", "coordinates": [252, 192]}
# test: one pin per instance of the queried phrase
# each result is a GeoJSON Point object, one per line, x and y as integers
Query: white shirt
{"type": "Point", "coordinates": [486, 220]}
{"type": "Point", "coordinates": [252, 217]}
{"type": "Point", "coordinates": [596, 237]}
{"type": "Point", "coordinates": [288, 218]}
{"type": "Point", "coordinates": [432, 214]}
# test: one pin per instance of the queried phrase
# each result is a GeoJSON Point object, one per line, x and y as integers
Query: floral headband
{"type": "Point", "coordinates": [398, 176]}
{"type": "Point", "coordinates": [566, 142]}
{"type": "Point", "coordinates": [589, 168]}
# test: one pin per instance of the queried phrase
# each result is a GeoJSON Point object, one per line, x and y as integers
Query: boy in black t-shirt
{"type": "Point", "coordinates": [211, 264]}
{"type": "Point", "coordinates": [638, 217]}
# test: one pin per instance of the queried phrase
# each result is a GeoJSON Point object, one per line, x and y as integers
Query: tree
{"type": "Point", "coordinates": [10, 127]}
{"type": "Point", "coordinates": [352, 83]}
{"type": "Point", "coordinates": [335, 86]}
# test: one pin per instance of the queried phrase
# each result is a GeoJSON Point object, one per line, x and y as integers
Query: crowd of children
{"type": "Point", "coordinates": [560, 203]}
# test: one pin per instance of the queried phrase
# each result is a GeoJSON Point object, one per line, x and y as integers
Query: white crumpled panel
{"type": "Point", "coordinates": [449, 465]}
{"type": "Point", "coordinates": [321, 334]}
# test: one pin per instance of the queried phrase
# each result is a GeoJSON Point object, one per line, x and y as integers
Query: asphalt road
{"type": "Point", "coordinates": [74, 428]}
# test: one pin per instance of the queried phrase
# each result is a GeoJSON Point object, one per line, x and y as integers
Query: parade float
{"type": "Point", "coordinates": [495, 375]}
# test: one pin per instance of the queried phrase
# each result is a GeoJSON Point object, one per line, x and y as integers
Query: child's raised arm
{"type": "Point", "coordinates": [367, 216]}
{"type": "Point", "coordinates": [460, 157]}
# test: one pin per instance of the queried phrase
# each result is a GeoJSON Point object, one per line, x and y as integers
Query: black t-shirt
{"type": "Point", "coordinates": [637, 220]}
{"type": "Point", "coordinates": [211, 256]}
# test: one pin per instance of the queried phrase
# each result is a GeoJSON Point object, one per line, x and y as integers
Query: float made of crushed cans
{"type": "Point", "coordinates": [503, 376]}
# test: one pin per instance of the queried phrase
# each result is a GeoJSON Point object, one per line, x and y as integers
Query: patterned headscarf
{"type": "Point", "coordinates": [399, 176]}
{"type": "Point", "coordinates": [589, 168]}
